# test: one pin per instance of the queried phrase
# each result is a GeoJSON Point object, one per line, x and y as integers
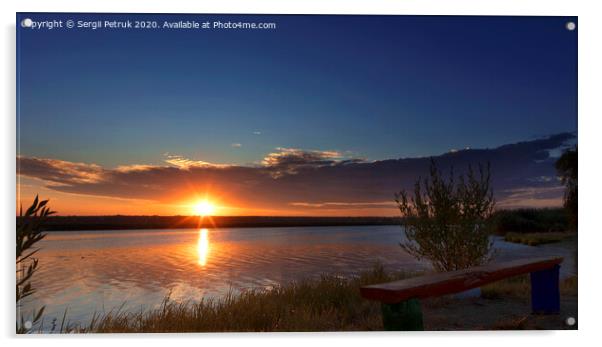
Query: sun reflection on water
{"type": "Point", "coordinates": [203, 246]}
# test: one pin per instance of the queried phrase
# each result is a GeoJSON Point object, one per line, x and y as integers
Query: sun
{"type": "Point", "coordinates": [204, 208]}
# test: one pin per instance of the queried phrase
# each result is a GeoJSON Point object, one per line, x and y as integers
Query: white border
{"type": "Point", "coordinates": [590, 56]}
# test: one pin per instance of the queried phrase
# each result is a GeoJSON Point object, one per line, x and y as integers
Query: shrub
{"type": "Point", "coordinates": [448, 222]}
{"type": "Point", "coordinates": [29, 232]}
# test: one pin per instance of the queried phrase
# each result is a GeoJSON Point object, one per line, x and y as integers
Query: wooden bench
{"type": "Point", "coordinates": [400, 300]}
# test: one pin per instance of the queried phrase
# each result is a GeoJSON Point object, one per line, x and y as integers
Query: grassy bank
{"type": "Point", "coordinates": [329, 303]}
{"type": "Point", "coordinates": [520, 287]}
{"type": "Point", "coordinates": [531, 220]}
{"type": "Point", "coordinates": [534, 239]}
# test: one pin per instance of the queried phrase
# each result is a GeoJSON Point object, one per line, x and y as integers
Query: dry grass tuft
{"type": "Point", "coordinates": [330, 303]}
{"type": "Point", "coordinates": [520, 287]}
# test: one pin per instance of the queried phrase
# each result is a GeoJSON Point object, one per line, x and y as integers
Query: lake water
{"type": "Point", "coordinates": [96, 271]}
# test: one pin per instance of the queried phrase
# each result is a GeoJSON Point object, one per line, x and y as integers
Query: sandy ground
{"type": "Point", "coordinates": [494, 314]}
{"type": "Point", "coordinates": [506, 313]}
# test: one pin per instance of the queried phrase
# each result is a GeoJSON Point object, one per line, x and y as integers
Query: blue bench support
{"type": "Point", "coordinates": [545, 291]}
{"type": "Point", "coordinates": [402, 316]}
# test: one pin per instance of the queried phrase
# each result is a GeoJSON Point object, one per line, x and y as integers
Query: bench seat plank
{"type": "Point", "coordinates": [455, 281]}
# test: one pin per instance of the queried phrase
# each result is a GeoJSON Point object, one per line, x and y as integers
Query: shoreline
{"type": "Point", "coordinates": [80, 223]}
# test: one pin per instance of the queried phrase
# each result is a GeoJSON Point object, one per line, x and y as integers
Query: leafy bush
{"type": "Point", "coordinates": [29, 232]}
{"type": "Point", "coordinates": [448, 222]}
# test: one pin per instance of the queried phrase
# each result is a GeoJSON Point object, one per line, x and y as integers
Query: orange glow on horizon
{"type": "Point", "coordinates": [204, 203]}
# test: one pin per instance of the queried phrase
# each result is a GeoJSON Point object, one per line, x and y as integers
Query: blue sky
{"type": "Point", "coordinates": [378, 87]}
{"type": "Point", "coordinates": [306, 119]}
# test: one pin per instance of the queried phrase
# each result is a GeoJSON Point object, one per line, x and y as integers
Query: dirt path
{"type": "Point", "coordinates": [494, 314]}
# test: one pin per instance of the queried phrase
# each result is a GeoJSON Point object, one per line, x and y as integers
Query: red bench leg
{"type": "Point", "coordinates": [545, 291]}
{"type": "Point", "coordinates": [403, 316]}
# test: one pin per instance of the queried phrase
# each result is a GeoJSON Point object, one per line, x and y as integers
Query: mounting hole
{"type": "Point", "coordinates": [570, 26]}
{"type": "Point", "coordinates": [570, 321]}
{"type": "Point", "coordinates": [26, 23]}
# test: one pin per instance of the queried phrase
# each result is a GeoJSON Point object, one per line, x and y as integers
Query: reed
{"type": "Point", "coordinates": [329, 303]}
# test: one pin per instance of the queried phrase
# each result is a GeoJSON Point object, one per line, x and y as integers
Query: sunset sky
{"type": "Point", "coordinates": [323, 116]}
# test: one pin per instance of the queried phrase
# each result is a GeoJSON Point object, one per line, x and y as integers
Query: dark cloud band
{"type": "Point", "coordinates": [310, 179]}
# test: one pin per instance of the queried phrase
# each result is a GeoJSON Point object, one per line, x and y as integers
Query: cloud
{"type": "Point", "coordinates": [379, 204]}
{"type": "Point", "coordinates": [257, 133]}
{"type": "Point", "coordinates": [132, 168]}
{"type": "Point", "coordinates": [522, 174]}
{"type": "Point", "coordinates": [545, 179]}
{"type": "Point", "coordinates": [294, 156]}
{"type": "Point", "coordinates": [288, 161]}
{"type": "Point", "coordinates": [59, 172]}
{"type": "Point", "coordinates": [532, 197]}
{"type": "Point", "coordinates": [185, 163]}
{"type": "Point", "coordinates": [236, 145]}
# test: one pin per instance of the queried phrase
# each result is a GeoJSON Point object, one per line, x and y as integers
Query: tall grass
{"type": "Point", "coordinates": [29, 232]}
{"type": "Point", "coordinates": [329, 303]}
